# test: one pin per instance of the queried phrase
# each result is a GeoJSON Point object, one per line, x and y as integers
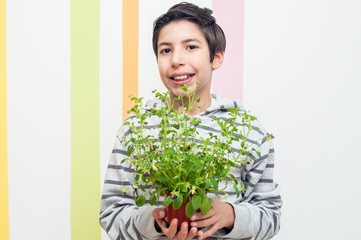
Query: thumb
{"type": "Point", "coordinates": [158, 213]}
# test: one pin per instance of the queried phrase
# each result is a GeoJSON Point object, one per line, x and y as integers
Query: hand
{"type": "Point", "coordinates": [171, 232]}
{"type": "Point", "coordinates": [221, 215]}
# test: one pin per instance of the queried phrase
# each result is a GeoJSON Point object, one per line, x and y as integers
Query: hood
{"type": "Point", "coordinates": [218, 104]}
{"type": "Point", "coordinates": [221, 104]}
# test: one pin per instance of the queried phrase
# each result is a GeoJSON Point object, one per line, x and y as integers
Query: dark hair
{"type": "Point", "coordinates": [200, 16]}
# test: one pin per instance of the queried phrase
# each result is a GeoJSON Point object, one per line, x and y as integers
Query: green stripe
{"type": "Point", "coordinates": [85, 156]}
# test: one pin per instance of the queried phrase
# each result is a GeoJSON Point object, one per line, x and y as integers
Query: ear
{"type": "Point", "coordinates": [218, 60]}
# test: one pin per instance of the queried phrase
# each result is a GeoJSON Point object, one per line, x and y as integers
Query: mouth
{"type": "Point", "coordinates": [181, 79]}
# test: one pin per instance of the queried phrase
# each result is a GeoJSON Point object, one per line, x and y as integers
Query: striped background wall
{"type": "Point", "coordinates": [66, 70]}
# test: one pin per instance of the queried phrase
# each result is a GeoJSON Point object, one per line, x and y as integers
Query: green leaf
{"type": "Point", "coordinates": [177, 202]}
{"type": "Point", "coordinates": [258, 153]}
{"type": "Point", "coordinates": [201, 192]}
{"type": "Point", "coordinates": [140, 201]}
{"type": "Point", "coordinates": [167, 201]}
{"type": "Point", "coordinates": [206, 205]}
{"type": "Point", "coordinates": [176, 179]}
{"type": "Point", "coordinates": [152, 199]}
{"type": "Point", "coordinates": [184, 189]}
{"type": "Point", "coordinates": [197, 164]}
{"type": "Point", "coordinates": [236, 189]}
{"type": "Point", "coordinates": [196, 202]}
{"type": "Point", "coordinates": [190, 210]}
{"type": "Point", "coordinates": [214, 183]}
{"type": "Point", "coordinates": [176, 126]}
{"type": "Point", "coordinates": [224, 172]}
{"type": "Point", "coordinates": [130, 151]}
{"type": "Point", "coordinates": [207, 184]}
{"type": "Point", "coordinates": [161, 178]}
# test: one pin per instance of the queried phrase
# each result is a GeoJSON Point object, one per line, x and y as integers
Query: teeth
{"type": "Point", "coordinates": [181, 77]}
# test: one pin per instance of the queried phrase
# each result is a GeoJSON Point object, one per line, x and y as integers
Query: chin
{"type": "Point", "coordinates": [180, 92]}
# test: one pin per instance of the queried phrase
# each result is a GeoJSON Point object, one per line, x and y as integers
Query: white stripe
{"type": "Point", "coordinates": [110, 80]}
{"type": "Point", "coordinates": [38, 90]}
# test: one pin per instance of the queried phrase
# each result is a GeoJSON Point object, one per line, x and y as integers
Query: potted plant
{"type": "Point", "coordinates": [168, 162]}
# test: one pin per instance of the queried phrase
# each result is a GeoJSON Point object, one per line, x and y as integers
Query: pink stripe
{"type": "Point", "coordinates": [228, 80]}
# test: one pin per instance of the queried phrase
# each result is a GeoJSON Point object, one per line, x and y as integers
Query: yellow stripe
{"type": "Point", "coordinates": [85, 152]}
{"type": "Point", "coordinates": [4, 202]}
{"type": "Point", "coordinates": [130, 52]}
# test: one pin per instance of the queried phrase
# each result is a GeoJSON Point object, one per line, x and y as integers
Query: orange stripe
{"type": "Point", "coordinates": [4, 201]}
{"type": "Point", "coordinates": [130, 52]}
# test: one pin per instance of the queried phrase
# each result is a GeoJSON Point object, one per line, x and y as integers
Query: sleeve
{"type": "Point", "coordinates": [119, 215]}
{"type": "Point", "coordinates": [257, 214]}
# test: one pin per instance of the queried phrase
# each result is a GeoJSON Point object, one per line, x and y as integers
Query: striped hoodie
{"type": "Point", "coordinates": [257, 211]}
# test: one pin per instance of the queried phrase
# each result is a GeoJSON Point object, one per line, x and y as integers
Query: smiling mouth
{"type": "Point", "coordinates": [182, 77]}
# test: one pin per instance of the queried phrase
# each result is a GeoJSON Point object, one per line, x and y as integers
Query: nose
{"type": "Point", "coordinates": [177, 59]}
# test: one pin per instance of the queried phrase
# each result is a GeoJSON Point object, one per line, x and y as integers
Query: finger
{"type": "Point", "coordinates": [199, 216]}
{"type": "Point", "coordinates": [172, 230]}
{"type": "Point", "coordinates": [209, 232]}
{"type": "Point", "coordinates": [158, 213]}
{"type": "Point", "coordinates": [160, 224]}
{"type": "Point", "coordinates": [192, 233]}
{"type": "Point", "coordinates": [182, 234]}
{"type": "Point", "coordinates": [204, 222]}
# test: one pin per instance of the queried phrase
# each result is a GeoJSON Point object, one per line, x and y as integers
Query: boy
{"type": "Point", "coordinates": [189, 45]}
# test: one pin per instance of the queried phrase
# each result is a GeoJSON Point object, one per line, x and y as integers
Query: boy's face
{"type": "Point", "coordinates": [183, 57]}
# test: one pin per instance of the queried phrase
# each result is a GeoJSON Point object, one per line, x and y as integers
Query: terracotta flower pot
{"type": "Point", "coordinates": [179, 213]}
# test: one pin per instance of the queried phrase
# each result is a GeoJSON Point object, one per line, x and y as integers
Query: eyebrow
{"type": "Point", "coordinates": [183, 42]}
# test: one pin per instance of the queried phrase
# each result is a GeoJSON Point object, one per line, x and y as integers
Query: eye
{"type": "Point", "coordinates": [191, 47]}
{"type": "Point", "coordinates": [165, 50]}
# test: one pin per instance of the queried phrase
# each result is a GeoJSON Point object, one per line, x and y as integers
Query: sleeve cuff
{"type": "Point", "coordinates": [145, 224]}
{"type": "Point", "coordinates": [242, 222]}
